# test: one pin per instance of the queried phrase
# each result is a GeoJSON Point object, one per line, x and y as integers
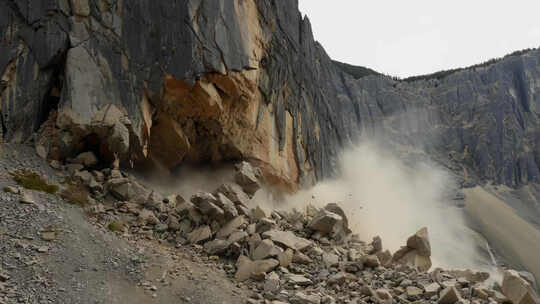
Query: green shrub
{"type": "Point", "coordinates": [31, 180]}
{"type": "Point", "coordinates": [115, 226]}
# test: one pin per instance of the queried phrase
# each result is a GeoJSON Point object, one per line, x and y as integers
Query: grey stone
{"type": "Point", "coordinates": [287, 238]}
{"type": "Point", "coordinates": [449, 296]}
{"type": "Point", "coordinates": [200, 234]}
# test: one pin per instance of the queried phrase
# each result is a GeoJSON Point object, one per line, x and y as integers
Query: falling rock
{"type": "Point", "coordinates": [325, 221]}
{"type": "Point", "coordinates": [27, 198]}
{"type": "Point", "coordinates": [271, 283]}
{"type": "Point", "coordinates": [231, 227]}
{"type": "Point", "coordinates": [87, 159]}
{"type": "Point", "coordinates": [246, 178]}
{"type": "Point", "coordinates": [302, 298]}
{"type": "Point", "coordinates": [517, 289]}
{"type": "Point", "coordinates": [216, 246]}
{"type": "Point", "coordinates": [449, 296]}
{"type": "Point", "coordinates": [265, 249]}
{"type": "Point", "coordinates": [383, 296]}
{"type": "Point", "coordinates": [200, 234]}
{"type": "Point", "coordinates": [288, 239]}
{"type": "Point", "coordinates": [286, 257]}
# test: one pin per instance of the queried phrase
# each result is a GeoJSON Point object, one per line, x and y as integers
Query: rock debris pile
{"type": "Point", "coordinates": [299, 257]}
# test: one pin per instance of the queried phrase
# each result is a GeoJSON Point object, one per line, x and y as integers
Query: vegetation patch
{"type": "Point", "coordinates": [115, 226]}
{"type": "Point", "coordinates": [31, 180]}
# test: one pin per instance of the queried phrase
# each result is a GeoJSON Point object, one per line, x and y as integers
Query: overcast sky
{"type": "Point", "coordinates": [413, 37]}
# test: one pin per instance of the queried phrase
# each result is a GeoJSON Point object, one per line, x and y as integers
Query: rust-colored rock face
{"type": "Point", "coordinates": [222, 118]}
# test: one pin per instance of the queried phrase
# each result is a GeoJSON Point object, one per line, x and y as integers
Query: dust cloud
{"type": "Point", "coordinates": [383, 195]}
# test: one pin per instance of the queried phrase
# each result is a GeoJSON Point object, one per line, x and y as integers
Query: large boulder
{"type": "Point", "coordinates": [517, 289]}
{"type": "Point", "coordinates": [417, 252]}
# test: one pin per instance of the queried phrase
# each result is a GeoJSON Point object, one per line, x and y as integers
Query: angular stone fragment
{"type": "Point", "coordinates": [330, 259]}
{"type": "Point", "coordinates": [288, 239]}
{"type": "Point", "coordinates": [200, 234]}
{"type": "Point", "coordinates": [517, 289]}
{"type": "Point", "coordinates": [216, 246]}
{"type": "Point", "coordinates": [247, 268]}
{"type": "Point", "coordinates": [227, 205]}
{"type": "Point", "coordinates": [27, 198]}
{"type": "Point", "coordinates": [286, 257]}
{"type": "Point", "coordinates": [234, 193]}
{"type": "Point", "coordinates": [383, 296]}
{"type": "Point", "coordinates": [207, 204]}
{"type": "Point", "coordinates": [325, 221]}
{"type": "Point", "coordinates": [301, 258]}
{"type": "Point", "coordinates": [417, 252]}
{"type": "Point", "coordinates": [265, 249]}
{"type": "Point", "coordinates": [271, 283]}
{"type": "Point", "coordinates": [231, 227]}
{"type": "Point", "coordinates": [449, 296]}
{"type": "Point", "coordinates": [420, 242]}
{"type": "Point", "coordinates": [431, 289]}
{"type": "Point", "coordinates": [371, 261]}
{"type": "Point", "coordinates": [297, 279]}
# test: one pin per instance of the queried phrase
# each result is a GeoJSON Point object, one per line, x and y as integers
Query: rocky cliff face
{"type": "Point", "coordinates": [168, 82]}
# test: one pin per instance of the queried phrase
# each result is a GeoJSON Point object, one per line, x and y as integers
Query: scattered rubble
{"type": "Point", "coordinates": [294, 256]}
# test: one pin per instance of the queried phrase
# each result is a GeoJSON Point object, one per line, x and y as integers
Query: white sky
{"type": "Point", "coordinates": [413, 37]}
